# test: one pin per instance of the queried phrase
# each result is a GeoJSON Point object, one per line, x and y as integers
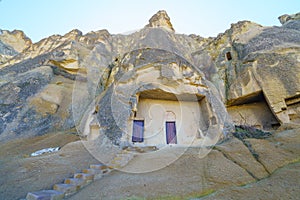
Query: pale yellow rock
{"type": "Point", "coordinates": [53, 93]}
{"type": "Point", "coordinates": [161, 20]}
{"type": "Point", "coordinates": [44, 107]}
{"type": "Point", "coordinates": [15, 39]}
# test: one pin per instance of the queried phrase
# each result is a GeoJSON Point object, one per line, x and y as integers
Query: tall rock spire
{"type": "Point", "coordinates": [161, 19]}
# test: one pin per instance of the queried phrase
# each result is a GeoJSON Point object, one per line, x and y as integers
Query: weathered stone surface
{"type": "Point", "coordinates": [256, 60]}
{"type": "Point", "coordinates": [225, 172]}
{"type": "Point", "coordinates": [86, 177]}
{"type": "Point", "coordinates": [238, 153]}
{"type": "Point", "coordinates": [15, 39]}
{"type": "Point", "coordinates": [12, 43]}
{"type": "Point", "coordinates": [49, 104]}
{"type": "Point", "coordinates": [283, 184]}
{"type": "Point", "coordinates": [292, 25]}
{"type": "Point", "coordinates": [288, 140]}
{"type": "Point", "coordinates": [160, 19]}
{"type": "Point", "coordinates": [256, 114]}
{"type": "Point", "coordinates": [98, 166]}
{"type": "Point", "coordinates": [245, 62]}
{"type": "Point", "coordinates": [6, 52]}
{"type": "Point", "coordinates": [167, 76]}
{"type": "Point", "coordinates": [190, 176]}
{"type": "Point", "coordinates": [285, 18]}
{"type": "Point", "coordinates": [45, 195]}
{"type": "Point", "coordinates": [271, 155]}
{"type": "Point", "coordinates": [44, 107]}
{"type": "Point", "coordinates": [76, 181]}
{"type": "Point", "coordinates": [67, 189]}
{"type": "Point", "coordinates": [18, 116]}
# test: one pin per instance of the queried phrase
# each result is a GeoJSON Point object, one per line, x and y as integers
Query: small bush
{"type": "Point", "coordinates": [243, 132]}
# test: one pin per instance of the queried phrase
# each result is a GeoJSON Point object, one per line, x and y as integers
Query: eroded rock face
{"type": "Point", "coordinates": [15, 39]}
{"type": "Point", "coordinates": [247, 64]}
{"type": "Point", "coordinates": [36, 103]}
{"type": "Point", "coordinates": [270, 61]}
{"type": "Point", "coordinates": [18, 118]}
{"type": "Point", "coordinates": [254, 64]}
{"type": "Point", "coordinates": [12, 43]}
{"type": "Point", "coordinates": [156, 74]}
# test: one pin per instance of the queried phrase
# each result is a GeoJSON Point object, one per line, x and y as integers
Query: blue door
{"type": "Point", "coordinates": [138, 131]}
{"type": "Point", "coordinates": [171, 133]}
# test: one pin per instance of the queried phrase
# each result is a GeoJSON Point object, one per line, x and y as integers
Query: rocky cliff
{"type": "Point", "coordinates": [56, 83]}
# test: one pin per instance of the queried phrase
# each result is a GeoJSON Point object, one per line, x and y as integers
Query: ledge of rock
{"type": "Point", "coordinates": [285, 18]}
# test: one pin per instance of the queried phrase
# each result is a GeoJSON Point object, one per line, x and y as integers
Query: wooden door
{"type": "Point", "coordinates": [138, 131]}
{"type": "Point", "coordinates": [171, 133]}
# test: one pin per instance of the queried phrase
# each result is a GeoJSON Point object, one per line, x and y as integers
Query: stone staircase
{"type": "Point", "coordinates": [71, 185]}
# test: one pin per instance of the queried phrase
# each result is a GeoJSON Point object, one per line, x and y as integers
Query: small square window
{"type": "Point", "coordinates": [228, 56]}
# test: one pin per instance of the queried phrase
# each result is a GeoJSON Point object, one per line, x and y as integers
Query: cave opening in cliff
{"type": "Point", "coordinates": [228, 56]}
{"type": "Point", "coordinates": [252, 110]}
{"type": "Point", "coordinates": [165, 118]}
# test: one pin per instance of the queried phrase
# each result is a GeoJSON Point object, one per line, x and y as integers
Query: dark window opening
{"type": "Point", "coordinates": [292, 100]}
{"type": "Point", "coordinates": [228, 56]}
{"type": "Point", "coordinates": [275, 126]}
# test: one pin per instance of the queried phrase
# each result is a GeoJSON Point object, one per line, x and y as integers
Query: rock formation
{"type": "Point", "coordinates": [12, 43]}
{"type": "Point", "coordinates": [285, 18]}
{"type": "Point", "coordinates": [161, 19]}
{"type": "Point", "coordinates": [56, 83]}
{"type": "Point", "coordinates": [153, 75]}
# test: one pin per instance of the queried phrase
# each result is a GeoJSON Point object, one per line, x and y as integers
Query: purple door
{"type": "Point", "coordinates": [171, 133]}
{"type": "Point", "coordinates": [138, 131]}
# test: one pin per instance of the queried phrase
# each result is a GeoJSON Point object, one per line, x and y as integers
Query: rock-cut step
{"type": "Point", "coordinates": [99, 166]}
{"type": "Point", "coordinates": [67, 189]}
{"type": "Point", "coordinates": [96, 172]}
{"type": "Point", "coordinates": [45, 195]}
{"type": "Point", "coordinates": [79, 182]}
{"type": "Point", "coordinates": [72, 185]}
{"type": "Point", "coordinates": [104, 168]}
{"type": "Point", "coordinates": [85, 176]}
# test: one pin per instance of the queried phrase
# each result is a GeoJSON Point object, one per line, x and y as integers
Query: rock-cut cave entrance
{"type": "Point", "coordinates": [164, 118]}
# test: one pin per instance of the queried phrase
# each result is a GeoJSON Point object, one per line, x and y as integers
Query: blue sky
{"type": "Point", "coordinates": [42, 18]}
